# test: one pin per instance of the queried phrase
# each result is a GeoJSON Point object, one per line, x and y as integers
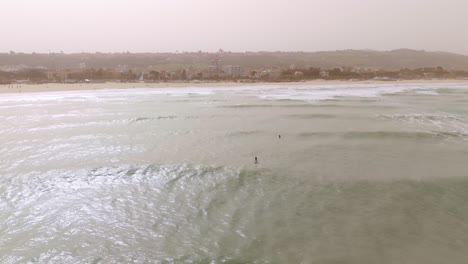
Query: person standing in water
{"type": "Point", "coordinates": [279, 136]}
{"type": "Point", "coordinates": [256, 160]}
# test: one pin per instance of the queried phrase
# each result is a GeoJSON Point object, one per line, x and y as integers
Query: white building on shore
{"type": "Point", "coordinates": [233, 70]}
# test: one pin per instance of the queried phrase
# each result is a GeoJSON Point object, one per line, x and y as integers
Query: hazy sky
{"type": "Point", "coordinates": [240, 25]}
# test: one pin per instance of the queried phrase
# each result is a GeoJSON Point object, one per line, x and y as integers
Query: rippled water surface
{"type": "Point", "coordinates": [361, 174]}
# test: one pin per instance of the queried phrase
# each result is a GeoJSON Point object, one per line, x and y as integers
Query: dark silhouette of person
{"type": "Point", "coordinates": [256, 160]}
{"type": "Point", "coordinates": [279, 136]}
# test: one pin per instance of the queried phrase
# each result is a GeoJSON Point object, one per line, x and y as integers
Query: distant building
{"type": "Point", "coordinates": [142, 78]}
{"type": "Point", "coordinates": [213, 72]}
{"type": "Point", "coordinates": [269, 74]}
{"type": "Point", "coordinates": [429, 75]}
{"type": "Point", "coordinates": [164, 75]}
{"type": "Point", "coordinates": [384, 79]}
{"type": "Point", "coordinates": [272, 73]}
{"type": "Point", "coordinates": [122, 68]}
{"type": "Point", "coordinates": [361, 70]}
{"type": "Point", "coordinates": [299, 74]}
{"type": "Point", "coordinates": [346, 69]}
{"type": "Point", "coordinates": [216, 63]}
{"type": "Point", "coordinates": [324, 74]}
{"type": "Point", "coordinates": [233, 70]}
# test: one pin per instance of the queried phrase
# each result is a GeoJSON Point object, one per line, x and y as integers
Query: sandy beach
{"type": "Point", "coordinates": [50, 87]}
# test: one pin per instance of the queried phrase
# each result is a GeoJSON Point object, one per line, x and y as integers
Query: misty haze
{"type": "Point", "coordinates": [233, 131]}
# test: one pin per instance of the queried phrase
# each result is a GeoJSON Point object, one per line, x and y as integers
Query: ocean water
{"type": "Point", "coordinates": [362, 173]}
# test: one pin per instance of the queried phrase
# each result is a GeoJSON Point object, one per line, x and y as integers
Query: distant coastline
{"type": "Point", "coordinates": [221, 66]}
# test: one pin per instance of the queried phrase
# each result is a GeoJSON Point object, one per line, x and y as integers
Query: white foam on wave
{"type": "Point", "coordinates": [327, 92]}
{"type": "Point", "coordinates": [425, 92]}
{"type": "Point", "coordinates": [98, 95]}
{"type": "Point", "coordinates": [430, 122]}
{"type": "Point", "coordinates": [313, 92]}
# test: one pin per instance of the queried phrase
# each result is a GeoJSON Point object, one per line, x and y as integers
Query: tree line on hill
{"type": "Point", "coordinates": [385, 60]}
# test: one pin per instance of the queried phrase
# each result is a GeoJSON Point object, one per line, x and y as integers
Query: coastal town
{"type": "Point", "coordinates": [202, 67]}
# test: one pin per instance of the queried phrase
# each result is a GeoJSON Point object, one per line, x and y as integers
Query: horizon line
{"type": "Point", "coordinates": [222, 51]}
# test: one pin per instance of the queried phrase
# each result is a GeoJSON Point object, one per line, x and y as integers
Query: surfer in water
{"type": "Point", "coordinates": [279, 136]}
{"type": "Point", "coordinates": [256, 160]}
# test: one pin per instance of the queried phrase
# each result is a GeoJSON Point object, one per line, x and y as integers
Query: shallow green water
{"type": "Point", "coordinates": [361, 174]}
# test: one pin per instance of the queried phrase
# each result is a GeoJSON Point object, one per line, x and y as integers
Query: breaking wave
{"type": "Point", "coordinates": [156, 118]}
{"type": "Point", "coordinates": [440, 124]}
{"type": "Point", "coordinates": [243, 133]}
{"type": "Point", "coordinates": [413, 135]}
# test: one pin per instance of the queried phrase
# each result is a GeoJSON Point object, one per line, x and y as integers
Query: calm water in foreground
{"type": "Point", "coordinates": [361, 174]}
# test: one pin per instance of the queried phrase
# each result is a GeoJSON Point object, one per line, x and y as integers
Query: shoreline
{"type": "Point", "coordinates": [56, 87]}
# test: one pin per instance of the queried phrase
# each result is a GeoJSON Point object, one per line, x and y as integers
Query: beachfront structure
{"type": "Point", "coordinates": [324, 74]}
{"type": "Point", "coordinates": [213, 72]}
{"type": "Point", "coordinates": [233, 70]}
{"type": "Point", "coordinates": [299, 74]}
